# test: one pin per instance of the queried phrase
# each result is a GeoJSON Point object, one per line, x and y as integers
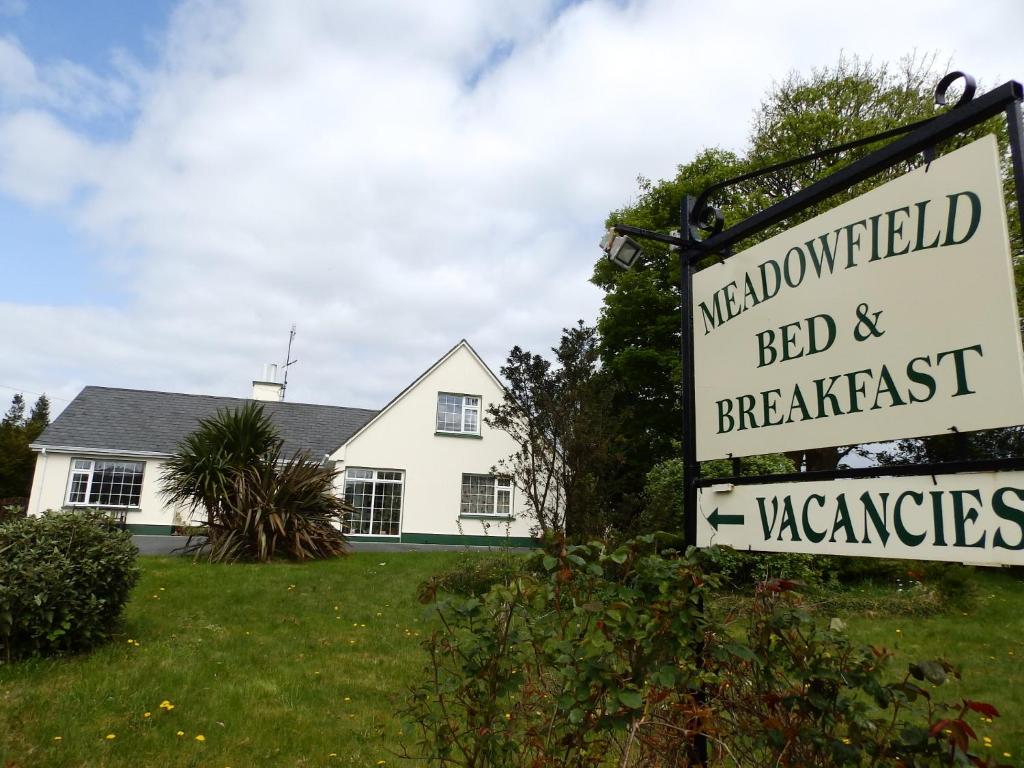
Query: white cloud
{"type": "Point", "coordinates": [329, 163]}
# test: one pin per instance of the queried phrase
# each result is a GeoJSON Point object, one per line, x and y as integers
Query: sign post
{"type": "Point", "coordinates": [890, 316]}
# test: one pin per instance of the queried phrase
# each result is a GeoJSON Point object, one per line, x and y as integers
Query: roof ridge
{"type": "Point", "coordinates": [226, 397]}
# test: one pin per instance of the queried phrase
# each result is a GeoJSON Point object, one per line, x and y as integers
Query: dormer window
{"type": "Point", "coordinates": [458, 414]}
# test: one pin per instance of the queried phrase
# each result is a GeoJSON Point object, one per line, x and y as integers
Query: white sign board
{"type": "Point", "coordinates": [966, 518]}
{"type": "Point", "coordinates": [892, 315]}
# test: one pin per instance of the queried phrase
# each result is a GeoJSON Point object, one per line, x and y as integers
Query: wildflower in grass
{"type": "Point", "coordinates": [200, 737]}
{"type": "Point", "coordinates": [58, 738]}
{"type": "Point", "coordinates": [180, 733]}
{"type": "Point", "coordinates": [111, 736]}
{"type": "Point", "coordinates": [147, 714]}
{"type": "Point", "coordinates": [166, 705]}
{"type": "Point", "coordinates": [380, 762]}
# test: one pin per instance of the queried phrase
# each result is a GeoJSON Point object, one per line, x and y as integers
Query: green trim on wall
{"type": "Point", "coordinates": [459, 434]}
{"type": "Point", "coordinates": [144, 529]}
{"type": "Point", "coordinates": [471, 541]}
{"type": "Point", "coordinates": [392, 539]}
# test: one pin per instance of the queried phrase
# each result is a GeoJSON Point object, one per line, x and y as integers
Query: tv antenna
{"type": "Point", "coordinates": [288, 362]}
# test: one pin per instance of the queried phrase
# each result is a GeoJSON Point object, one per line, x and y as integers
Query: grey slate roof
{"type": "Point", "coordinates": [110, 419]}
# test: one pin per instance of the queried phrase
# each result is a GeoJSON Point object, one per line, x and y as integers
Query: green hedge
{"type": "Point", "coordinates": [64, 579]}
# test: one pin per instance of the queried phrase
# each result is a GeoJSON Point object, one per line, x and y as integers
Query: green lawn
{"type": "Point", "coordinates": [302, 665]}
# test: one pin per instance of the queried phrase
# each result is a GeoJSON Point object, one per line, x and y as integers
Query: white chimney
{"type": "Point", "coordinates": [268, 388]}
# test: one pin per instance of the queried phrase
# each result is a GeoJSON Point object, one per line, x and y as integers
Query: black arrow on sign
{"type": "Point", "coordinates": [717, 519]}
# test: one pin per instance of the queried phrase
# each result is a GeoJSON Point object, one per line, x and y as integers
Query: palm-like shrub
{"type": "Point", "coordinates": [258, 504]}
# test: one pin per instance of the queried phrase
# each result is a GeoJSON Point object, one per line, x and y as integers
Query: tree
{"type": "Point", "coordinates": [15, 416]}
{"type": "Point", "coordinates": [561, 418]}
{"type": "Point", "coordinates": [639, 324]}
{"type": "Point", "coordinates": [17, 461]}
{"type": "Point", "coordinates": [257, 503]}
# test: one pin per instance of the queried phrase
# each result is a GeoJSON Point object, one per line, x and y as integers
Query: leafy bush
{"type": "Point", "coordinates": [606, 657]}
{"type": "Point", "coordinates": [257, 504]}
{"type": "Point", "coordinates": [12, 511]}
{"type": "Point", "coordinates": [64, 578]}
{"type": "Point", "coordinates": [474, 574]}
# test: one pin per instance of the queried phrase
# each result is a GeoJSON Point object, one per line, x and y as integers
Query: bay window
{"type": "Point", "coordinates": [376, 495]}
{"type": "Point", "coordinates": [96, 483]}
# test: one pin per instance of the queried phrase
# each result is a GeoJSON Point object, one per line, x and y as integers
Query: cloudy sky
{"type": "Point", "coordinates": [180, 181]}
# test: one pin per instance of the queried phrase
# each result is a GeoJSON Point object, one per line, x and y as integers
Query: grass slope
{"type": "Point", "coordinates": [296, 665]}
{"type": "Point", "coordinates": [302, 665]}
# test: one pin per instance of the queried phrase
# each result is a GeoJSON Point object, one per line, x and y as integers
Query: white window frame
{"type": "Point", "coordinates": [374, 481]}
{"type": "Point", "coordinates": [464, 410]}
{"type": "Point", "coordinates": [502, 484]}
{"type": "Point", "coordinates": [90, 473]}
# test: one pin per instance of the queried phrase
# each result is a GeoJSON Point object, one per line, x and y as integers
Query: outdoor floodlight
{"type": "Point", "coordinates": [620, 249]}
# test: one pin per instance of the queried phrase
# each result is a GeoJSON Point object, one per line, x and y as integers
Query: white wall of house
{"type": "Point", "coordinates": [403, 437]}
{"type": "Point", "coordinates": [52, 477]}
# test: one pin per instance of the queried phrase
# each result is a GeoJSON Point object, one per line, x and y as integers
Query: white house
{"type": "Point", "coordinates": [417, 471]}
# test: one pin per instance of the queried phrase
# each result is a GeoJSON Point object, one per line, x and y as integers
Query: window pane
{"type": "Point", "coordinates": [449, 413]}
{"type": "Point", "coordinates": [357, 473]}
{"type": "Point", "coordinates": [359, 494]}
{"type": "Point", "coordinates": [116, 484]}
{"type": "Point", "coordinates": [477, 495]}
{"type": "Point", "coordinates": [470, 420]}
{"type": "Point", "coordinates": [387, 509]}
{"type": "Point", "coordinates": [79, 480]}
{"type": "Point", "coordinates": [83, 464]}
{"type": "Point", "coordinates": [504, 505]}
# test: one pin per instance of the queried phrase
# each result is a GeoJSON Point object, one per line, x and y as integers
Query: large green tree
{"type": "Point", "coordinates": [17, 432]}
{"type": "Point", "coordinates": [804, 113]}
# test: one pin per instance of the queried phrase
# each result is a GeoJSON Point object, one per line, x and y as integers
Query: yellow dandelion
{"type": "Point", "coordinates": [147, 714]}
{"type": "Point", "coordinates": [180, 733]}
{"type": "Point", "coordinates": [508, 715]}
{"type": "Point", "coordinates": [58, 738]}
{"type": "Point", "coordinates": [130, 641]}
{"type": "Point", "coordinates": [166, 705]}
{"type": "Point", "coordinates": [333, 754]}
{"type": "Point", "coordinates": [347, 699]}
{"type": "Point", "coordinates": [1007, 754]}
{"type": "Point", "coordinates": [162, 589]}
{"type": "Point", "coordinates": [111, 736]}
{"type": "Point", "coordinates": [380, 762]}
{"type": "Point", "coordinates": [200, 737]}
